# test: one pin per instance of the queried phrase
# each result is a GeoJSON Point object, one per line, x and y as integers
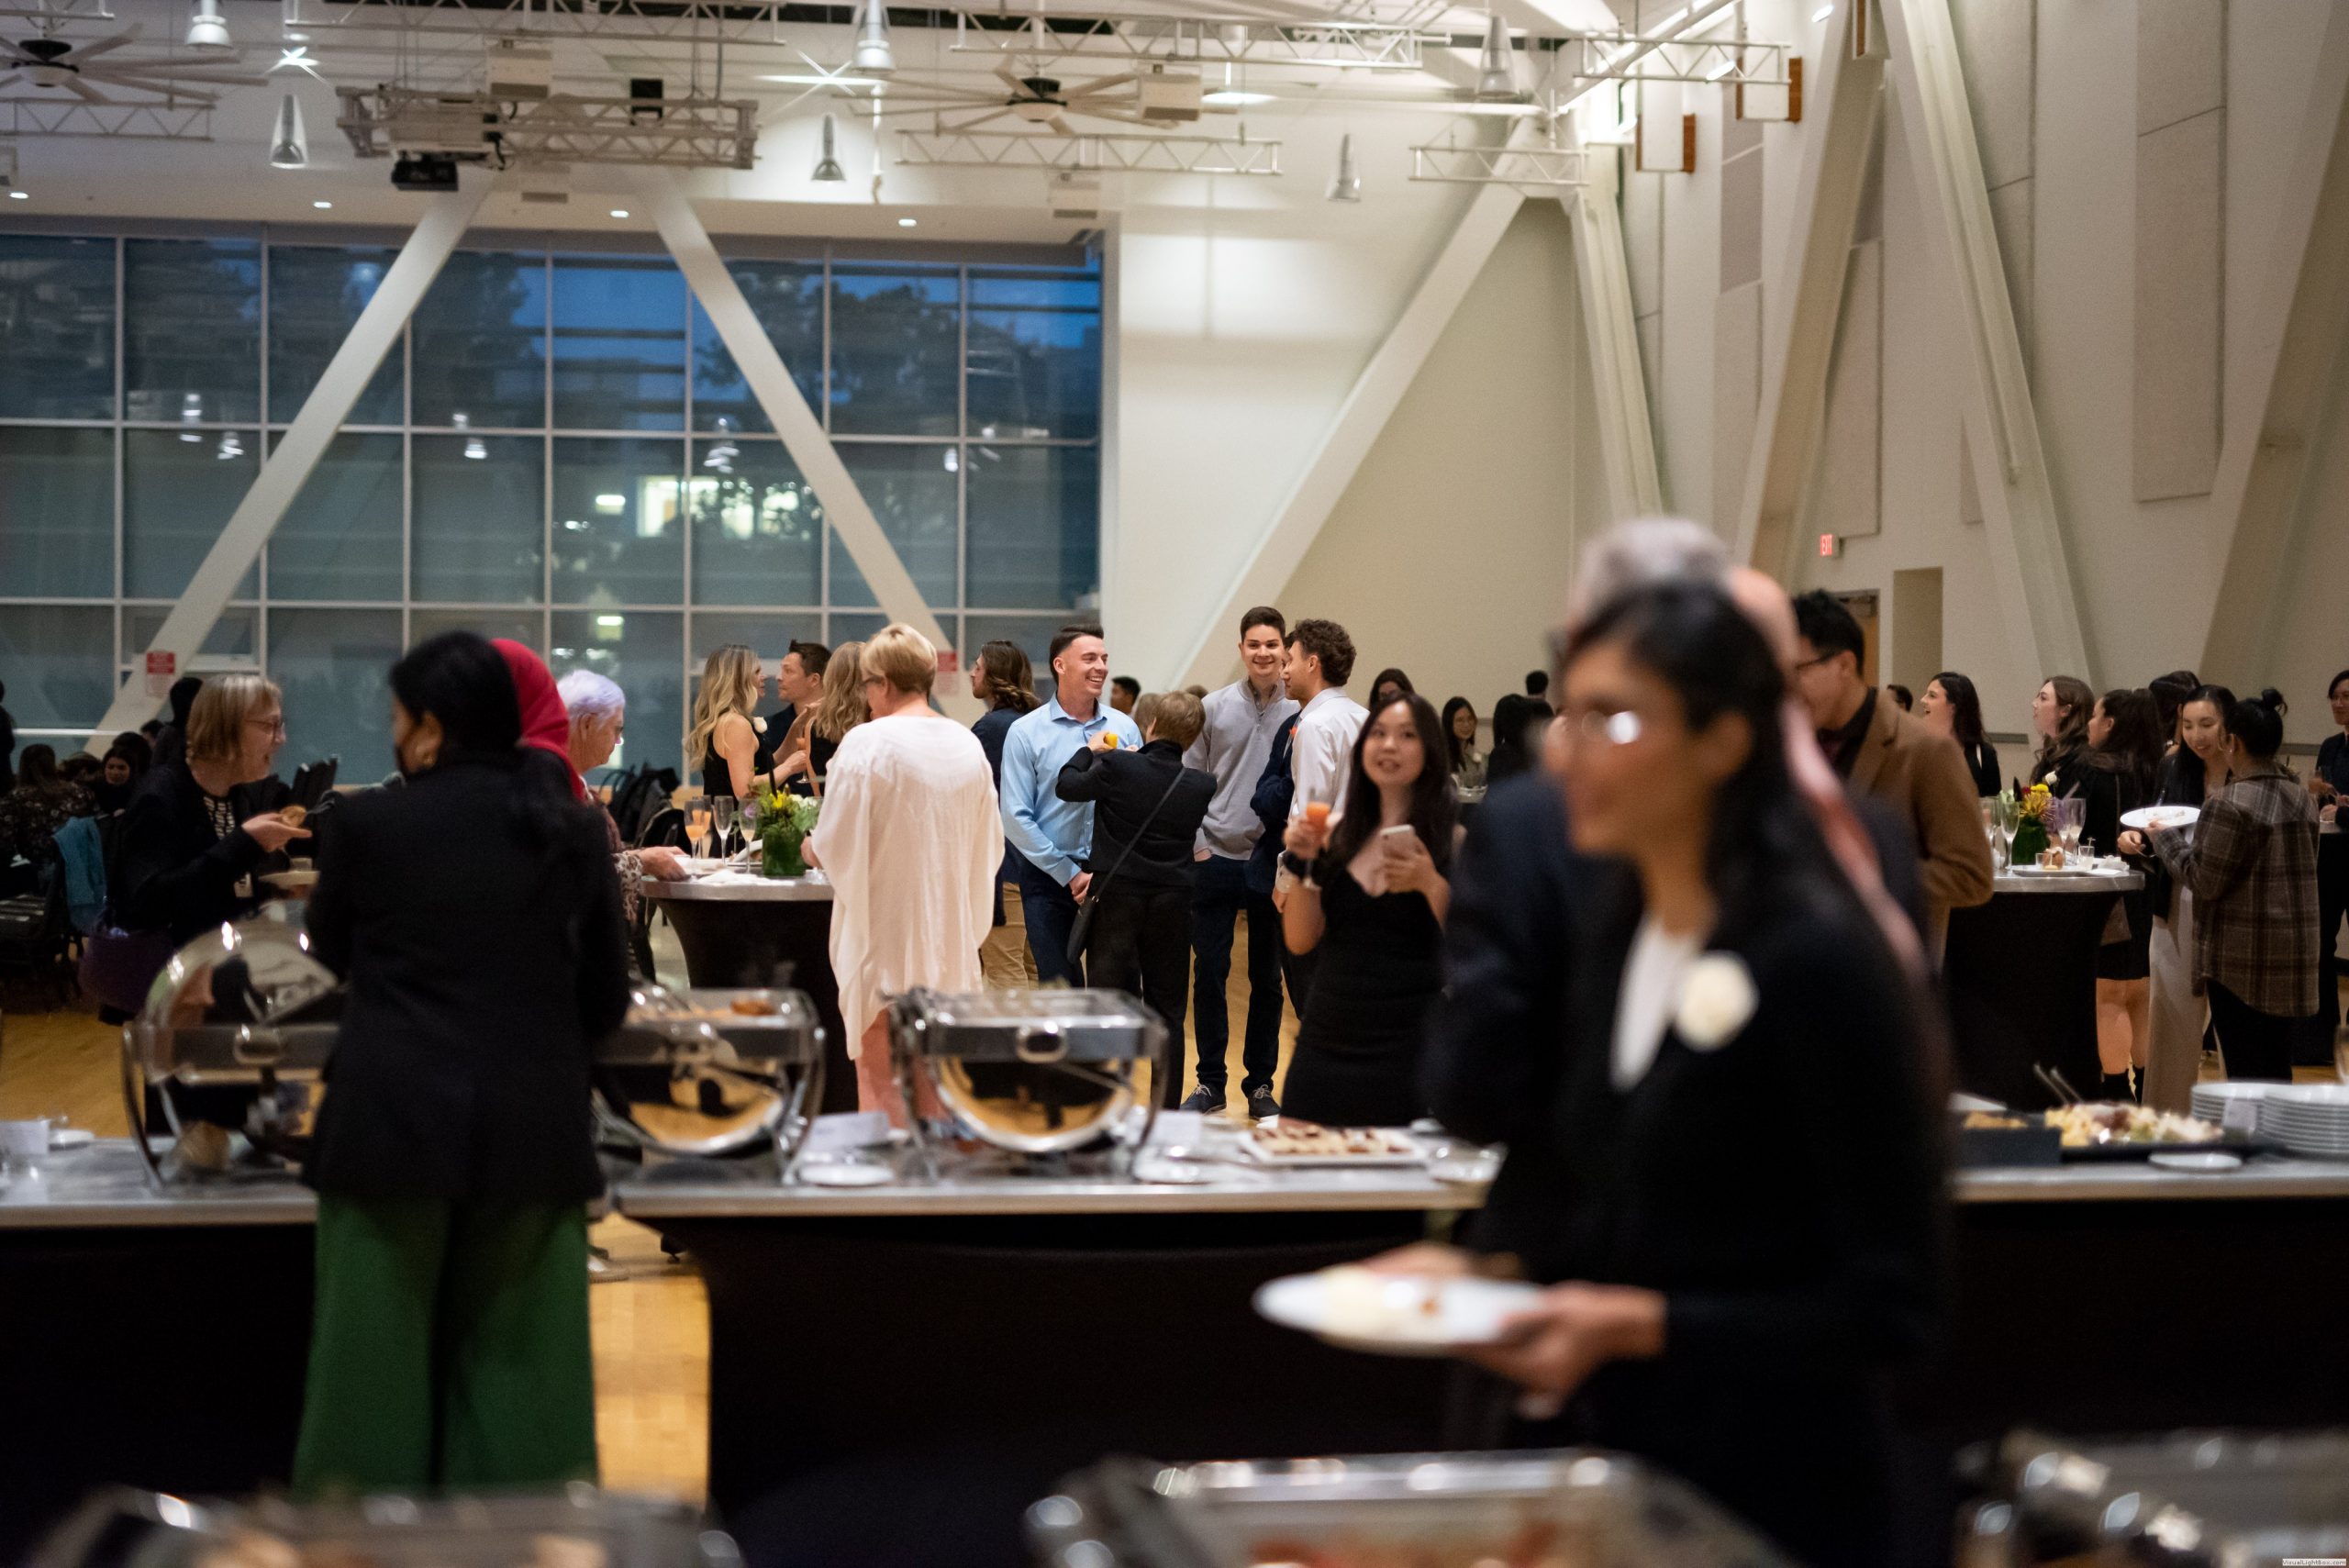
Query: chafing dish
{"type": "Point", "coordinates": [579, 1527]}
{"type": "Point", "coordinates": [1568, 1509]}
{"type": "Point", "coordinates": [2187, 1500]}
{"type": "Point", "coordinates": [691, 1073]}
{"type": "Point", "coordinates": [1031, 1071]}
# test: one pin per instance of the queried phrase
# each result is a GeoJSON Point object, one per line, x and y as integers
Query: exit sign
{"type": "Point", "coordinates": [950, 659]}
{"type": "Point", "coordinates": [1830, 546]}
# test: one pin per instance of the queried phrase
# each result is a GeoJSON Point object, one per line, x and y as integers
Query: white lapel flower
{"type": "Point", "coordinates": [758, 725]}
{"type": "Point", "coordinates": [1717, 1000]}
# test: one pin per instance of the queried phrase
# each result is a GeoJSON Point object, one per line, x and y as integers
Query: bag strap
{"type": "Point", "coordinates": [1104, 880]}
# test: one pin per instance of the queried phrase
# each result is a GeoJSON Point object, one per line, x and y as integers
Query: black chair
{"type": "Point", "coordinates": [36, 939]}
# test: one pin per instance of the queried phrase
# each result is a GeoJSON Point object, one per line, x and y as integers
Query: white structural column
{"type": "Point", "coordinates": [285, 471]}
{"type": "Point", "coordinates": [803, 435]}
{"type": "Point", "coordinates": [1804, 298]}
{"type": "Point", "coordinates": [1360, 421]}
{"type": "Point", "coordinates": [1626, 438]}
{"type": "Point", "coordinates": [2297, 340]}
{"type": "Point", "coordinates": [2028, 556]}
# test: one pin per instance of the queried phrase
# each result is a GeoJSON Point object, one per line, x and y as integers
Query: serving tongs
{"type": "Point", "coordinates": [2057, 1085]}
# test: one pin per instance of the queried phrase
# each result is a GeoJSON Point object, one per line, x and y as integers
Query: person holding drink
{"type": "Point", "coordinates": [1370, 899]}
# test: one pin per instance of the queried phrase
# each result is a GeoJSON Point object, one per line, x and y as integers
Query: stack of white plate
{"type": "Point", "coordinates": [2307, 1119]}
{"type": "Point", "coordinates": [2211, 1102]}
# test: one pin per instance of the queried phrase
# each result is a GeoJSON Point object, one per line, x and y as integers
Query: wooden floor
{"type": "Point", "coordinates": [651, 1323]}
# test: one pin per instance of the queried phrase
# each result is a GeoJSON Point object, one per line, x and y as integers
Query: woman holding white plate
{"type": "Point", "coordinates": [2190, 775]}
{"type": "Point", "coordinates": [1735, 1200]}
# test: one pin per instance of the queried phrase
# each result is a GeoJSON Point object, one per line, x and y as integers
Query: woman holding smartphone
{"type": "Point", "coordinates": [1370, 900]}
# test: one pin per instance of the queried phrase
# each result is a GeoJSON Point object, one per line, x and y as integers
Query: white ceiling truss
{"type": "Point", "coordinates": [127, 122]}
{"type": "Point", "coordinates": [1610, 57]}
{"type": "Point", "coordinates": [1138, 154]}
{"type": "Point", "coordinates": [1346, 46]}
{"type": "Point", "coordinates": [683, 133]}
{"type": "Point", "coordinates": [1528, 168]}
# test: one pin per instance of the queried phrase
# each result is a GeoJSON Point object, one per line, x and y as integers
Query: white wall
{"type": "Point", "coordinates": [2147, 570]}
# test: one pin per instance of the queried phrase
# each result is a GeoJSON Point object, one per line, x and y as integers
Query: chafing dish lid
{"type": "Point", "coordinates": [238, 998]}
{"type": "Point", "coordinates": [1033, 1024]}
{"type": "Point", "coordinates": [2217, 1497]}
{"type": "Point", "coordinates": [664, 1026]}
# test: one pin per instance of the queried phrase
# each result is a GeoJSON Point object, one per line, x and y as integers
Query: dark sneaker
{"type": "Point", "coordinates": [1205, 1100]}
{"type": "Point", "coordinates": [1260, 1103]}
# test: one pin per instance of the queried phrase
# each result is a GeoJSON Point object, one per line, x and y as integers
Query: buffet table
{"type": "Point", "coordinates": [155, 1335]}
{"type": "Point", "coordinates": [962, 1346]}
{"type": "Point", "coordinates": [2021, 976]}
{"type": "Point", "coordinates": [740, 931]}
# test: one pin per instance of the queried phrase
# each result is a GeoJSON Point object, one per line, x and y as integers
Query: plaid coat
{"type": "Point", "coordinates": [2250, 861]}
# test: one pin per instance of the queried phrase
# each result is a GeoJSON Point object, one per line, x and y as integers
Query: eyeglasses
{"type": "Point", "coordinates": [274, 724]}
{"type": "Point", "coordinates": [1618, 728]}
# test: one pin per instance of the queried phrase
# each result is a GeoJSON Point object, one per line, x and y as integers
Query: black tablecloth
{"type": "Point", "coordinates": [2021, 976]}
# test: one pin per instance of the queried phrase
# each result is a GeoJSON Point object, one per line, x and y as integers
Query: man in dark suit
{"type": "Point", "coordinates": [799, 681]}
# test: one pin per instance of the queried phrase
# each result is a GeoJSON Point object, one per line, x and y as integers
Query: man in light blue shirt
{"type": "Point", "coordinates": [1055, 835]}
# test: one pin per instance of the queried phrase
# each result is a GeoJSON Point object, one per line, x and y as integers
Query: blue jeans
{"type": "Point", "coordinates": [1221, 893]}
{"type": "Point", "coordinates": [1050, 912]}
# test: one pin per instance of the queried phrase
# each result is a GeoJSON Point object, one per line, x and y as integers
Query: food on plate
{"type": "Point", "coordinates": [2086, 1126]}
{"type": "Point", "coordinates": [754, 1007]}
{"type": "Point", "coordinates": [1536, 1543]}
{"type": "Point", "coordinates": [1293, 1140]}
{"type": "Point", "coordinates": [1361, 1305]}
{"type": "Point", "coordinates": [1989, 1121]}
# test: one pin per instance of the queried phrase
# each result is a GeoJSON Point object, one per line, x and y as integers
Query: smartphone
{"type": "Point", "coordinates": [1396, 835]}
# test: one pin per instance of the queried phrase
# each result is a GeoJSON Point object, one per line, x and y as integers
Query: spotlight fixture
{"type": "Point", "coordinates": [20, 196]}
{"type": "Point", "coordinates": [872, 50]}
{"type": "Point", "coordinates": [323, 207]}
{"type": "Point", "coordinates": [828, 167]}
{"type": "Point", "coordinates": [1347, 185]}
{"type": "Point", "coordinates": [1497, 66]}
{"type": "Point", "coordinates": [619, 212]}
{"type": "Point", "coordinates": [207, 29]}
{"type": "Point", "coordinates": [908, 222]}
{"type": "Point", "coordinates": [289, 149]}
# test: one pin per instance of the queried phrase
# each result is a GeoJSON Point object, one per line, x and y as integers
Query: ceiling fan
{"type": "Point", "coordinates": [78, 69]}
{"type": "Point", "coordinates": [1044, 101]}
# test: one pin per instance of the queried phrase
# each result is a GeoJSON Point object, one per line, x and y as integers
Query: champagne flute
{"type": "Point", "coordinates": [2010, 814]}
{"type": "Point", "coordinates": [721, 817]}
{"type": "Point", "coordinates": [698, 829]}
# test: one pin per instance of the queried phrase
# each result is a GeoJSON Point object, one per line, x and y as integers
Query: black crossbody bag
{"type": "Point", "coordinates": [1084, 927]}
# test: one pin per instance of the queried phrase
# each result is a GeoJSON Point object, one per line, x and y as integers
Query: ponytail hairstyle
{"type": "Point", "coordinates": [2257, 724]}
{"type": "Point", "coordinates": [462, 681]}
{"type": "Point", "coordinates": [1004, 680]}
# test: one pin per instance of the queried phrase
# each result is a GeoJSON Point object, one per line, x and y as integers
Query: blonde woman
{"type": "Point", "coordinates": [726, 732]}
{"type": "Point", "coordinates": [817, 734]}
{"type": "Point", "coordinates": [911, 841]}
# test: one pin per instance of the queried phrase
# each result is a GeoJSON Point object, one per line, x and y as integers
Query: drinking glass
{"type": "Point", "coordinates": [721, 817]}
{"type": "Point", "coordinates": [2009, 817]}
{"type": "Point", "coordinates": [698, 829]}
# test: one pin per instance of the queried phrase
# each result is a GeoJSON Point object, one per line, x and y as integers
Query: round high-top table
{"type": "Point", "coordinates": [2020, 974]}
{"type": "Point", "coordinates": [773, 932]}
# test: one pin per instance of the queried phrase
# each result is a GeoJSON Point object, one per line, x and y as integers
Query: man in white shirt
{"type": "Point", "coordinates": [1321, 661]}
{"type": "Point", "coordinates": [1241, 720]}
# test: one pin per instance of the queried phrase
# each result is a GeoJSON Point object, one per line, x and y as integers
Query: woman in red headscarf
{"type": "Point", "coordinates": [546, 725]}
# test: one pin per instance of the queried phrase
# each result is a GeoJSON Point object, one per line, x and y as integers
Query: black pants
{"type": "Point", "coordinates": [1141, 942]}
{"type": "Point", "coordinates": [1050, 912]}
{"type": "Point", "coordinates": [1218, 899]}
{"type": "Point", "coordinates": [2332, 905]}
{"type": "Point", "coordinates": [2253, 1044]}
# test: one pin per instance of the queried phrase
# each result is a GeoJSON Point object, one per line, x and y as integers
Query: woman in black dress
{"type": "Point", "coordinates": [1951, 706]}
{"type": "Point", "coordinates": [1371, 901]}
{"type": "Point", "coordinates": [727, 732]}
{"type": "Point", "coordinates": [2124, 755]}
{"type": "Point", "coordinates": [1735, 1197]}
{"type": "Point", "coordinates": [2329, 784]}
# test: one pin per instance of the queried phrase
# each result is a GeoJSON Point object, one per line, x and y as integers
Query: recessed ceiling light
{"type": "Point", "coordinates": [20, 196]}
{"type": "Point", "coordinates": [906, 222]}
{"type": "Point", "coordinates": [1229, 98]}
{"type": "Point", "coordinates": [323, 207]}
{"type": "Point", "coordinates": [619, 212]}
{"type": "Point", "coordinates": [811, 78]}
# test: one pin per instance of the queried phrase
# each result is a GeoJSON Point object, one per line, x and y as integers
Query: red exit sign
{"type": "Point", "coordinates": [1830, 546]}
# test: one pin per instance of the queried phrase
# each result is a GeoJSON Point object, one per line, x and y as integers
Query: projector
{"type": "Point", "coordinates": [427, 172]}
{"type": "Point", "coordinates": [1169, 97]}
{"type": "Point", "coordinates": [519, 71]}
{"type": "Point", "coordinates": [1076, 193]}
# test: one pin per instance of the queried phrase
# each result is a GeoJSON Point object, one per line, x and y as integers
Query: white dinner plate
{"type": "Point", "coordinates": [2197, 1161]}
{"type": "Point", "coordinates": [1394, 1315]}
{"type": "Point", "coordinates": [291, 881]}
{"type": "Point", "coordinates": [2148, 816]}
{"type": "Point", "coordinates": [845, 1174]}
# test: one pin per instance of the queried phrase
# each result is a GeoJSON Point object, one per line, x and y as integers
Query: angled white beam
{"type": "Point", "coordinates": [1360, 421]}
{"type": "Point", "coordinates": [2297, 341]}
{"type": "Point", "coordinates": [1626, 438]}
{"type": "Point", "coordinates": [2028, 556]}
{"type": "Point", "coordinates": [803, 435]}
{"type": "Point", "coordinates": [1804, 298]}
{"type": "Point", "coordinates": [285, 471]}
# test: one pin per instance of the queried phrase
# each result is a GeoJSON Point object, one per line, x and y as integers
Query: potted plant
{"type": "Point", "coordinates": [785, 822]}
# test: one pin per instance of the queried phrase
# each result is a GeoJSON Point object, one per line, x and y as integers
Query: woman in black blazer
{"type": "Point", "coordinates": [1735, 1196]}
{"type": "Point", "coordinates": [476, 915]}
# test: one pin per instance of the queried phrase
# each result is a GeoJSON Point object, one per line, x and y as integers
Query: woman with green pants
{"type": "Point", "coordinates": [475, 915]}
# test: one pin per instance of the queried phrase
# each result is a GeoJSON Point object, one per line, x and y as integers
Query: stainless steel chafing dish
{"type": "Point", "coordinates": [577, 1528]}
{"type": "Point", "coordinates": [1034, 1071]}
{"type": "Point", "coordinates": [1568, 1509]}
{"type": "Point", "coordinates": [2187, 1500]}
{"type": "Point", "coordinates": [691, 1073]}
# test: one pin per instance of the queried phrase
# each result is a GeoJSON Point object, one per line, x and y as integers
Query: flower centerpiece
{"type": "Point", "coordinates": [785, 822]}
{"type": "Point", "coordinates": [2035, 830]}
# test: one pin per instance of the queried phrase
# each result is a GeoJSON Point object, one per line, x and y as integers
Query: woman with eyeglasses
{"type": "Point", "coordinates": [1370, 900]}
{"type": "Point", "coordinates": [1735, 1199]}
